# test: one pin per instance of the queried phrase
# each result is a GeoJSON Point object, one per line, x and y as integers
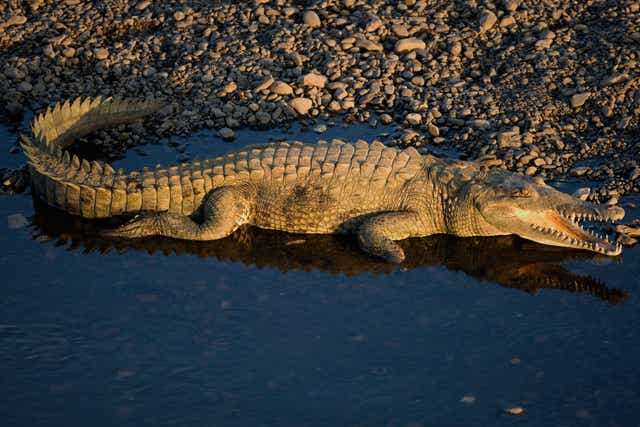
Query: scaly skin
{"type": "Point", "coordinates": [382, 194]}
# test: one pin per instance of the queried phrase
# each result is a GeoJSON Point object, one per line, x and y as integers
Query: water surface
{"type": "Point", "coordinates": [267, 328]}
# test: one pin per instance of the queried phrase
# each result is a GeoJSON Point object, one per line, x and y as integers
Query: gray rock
{"type": "Point", "coordinates": [25, 87]}
{"type": "Point", "coordinates": [320, 128]}
{"type": "Point", "coordinates": [582, 193]}
{"type": "Point", "coordinates": [227, 134]}
{"type": "Point", "coordinates": [16, 221]}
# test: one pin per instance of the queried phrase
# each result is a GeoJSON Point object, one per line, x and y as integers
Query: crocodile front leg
{"type": "Point", "coordinates": [223, 211]}
{"type": "Point", "coordinates": [376, 234]}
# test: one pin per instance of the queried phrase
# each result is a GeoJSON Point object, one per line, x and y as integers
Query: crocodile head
{"type": "Point", "coordinates": [516, 204]}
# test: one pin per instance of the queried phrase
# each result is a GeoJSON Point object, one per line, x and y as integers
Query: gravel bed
{"type": "Point", "coordinates": [546, 88]}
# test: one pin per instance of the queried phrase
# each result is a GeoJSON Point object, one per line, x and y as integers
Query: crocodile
{"type": "Point", "coordinates": [381, 194]}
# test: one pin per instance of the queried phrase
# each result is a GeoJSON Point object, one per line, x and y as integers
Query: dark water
{"type": "Point", "coordinates": [266, 328]}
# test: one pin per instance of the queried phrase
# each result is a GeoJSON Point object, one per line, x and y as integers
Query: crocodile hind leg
{"type": "Point", "coordinates": [223, 211]}
{"type": "Point", "coordinates": [376, 234]}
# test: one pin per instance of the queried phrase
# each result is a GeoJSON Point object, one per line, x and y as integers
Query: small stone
{"type": "Point", "coordinates": [226, 134]}
{"type": "Point", "coordinates": [511, 5]}
{"type": "Point", "coordinates": [14, 108]}
{"type": "Point", "coordinates": [386, 118]}
{"type": "Point", "coordinates": [49, 52]}
{"type": "Point", "coordinates": [515, 410]}
{"type": "Point", "coordinates": [320, 128]}
{"type": "Point", "coordinates": [400, 30]}
{"type": "Point", "coordinates": [263, 117]}
{"type": "Point", "coordinates": [14, 73]}
{"type": "Point", "coordinates": [408, 135]}
{"type": "Point", "coordinates": [311, 19]}
{"type": "Point", "coordinates": [579, 170]}
{"type": "Point", "coordinates": [334, 106]}
{"type": "Point", "coordinates": [579, 99]}
{"type": "Point", "coordinates": [101, 54]}
{"type": "Point", "coordinates": [301, 105]}
{"type": "Point", "coordinates": [16, 221]}
{"type": "Point", "coordinates": [143, 5]}
{"type": "Point", "coordinates": [369, 45]}
{"type": "Point", "coordinates": [582, 193]}
{"type": "Point", "coordinates": [433, 130]}
{"type": "Point", "coordinates": [313, 80]}
{"type": "Point", "coordinates": [413, 118]}
{"type": "Point", "coordinates": [614, 79]}
{"type": "Point", "coordinates": [507, 21]}
{"type": "Point", "coordinates": [266, 84]}
{"type": "Point", "coordinates": [35, 4]}
{"type": "Point", "coordinates": [25, 87]}
{"type": "Point", "coordinates": [480, 124]}
{"type": "Point", "coordinates": [178, 15]}
{"type": "Point", "coordinates": [409, 44]}
{"type": "Point", "coordinates": [531, 170]}
{"type": "Point", "coordinates": [16, 20]}
{"type": "Point", "coordinates": [487, 20]}
{"type": "Point", "coordinates": [281, 88]}
{"type": "Point", "coordinates": [230, 87]}
{"type": "Point", "coordinates": [543, 44]}
{"type": "Point", "coordinates": [374, 25]}
{"type": "Point", "coordinates": [69, 52]}
{"type": "Point", "coordinates": [539, 161]}
{"type": "Point", "coordinates": [455, 49]}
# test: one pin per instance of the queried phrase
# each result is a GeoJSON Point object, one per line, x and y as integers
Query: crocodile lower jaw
{"type": "Point", "coordinates": [564, 228]}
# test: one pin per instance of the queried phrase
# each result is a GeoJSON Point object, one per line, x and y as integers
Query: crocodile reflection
{"type": "Point", "coordinates": [507, 261]}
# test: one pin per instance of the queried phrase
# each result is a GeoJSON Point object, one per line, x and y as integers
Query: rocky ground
{"type": "Point", "coordinates": [548, 88]}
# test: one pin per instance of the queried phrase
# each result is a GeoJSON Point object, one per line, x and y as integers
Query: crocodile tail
{"type": "Point", "coordinates": [89, 189]}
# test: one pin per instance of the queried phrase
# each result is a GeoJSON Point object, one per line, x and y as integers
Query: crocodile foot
{"type": "Point", "coordinates": [141, 225]}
